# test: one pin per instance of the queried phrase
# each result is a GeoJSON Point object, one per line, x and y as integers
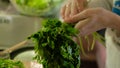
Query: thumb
{"type": "Point", "coordinates": [81, 26]}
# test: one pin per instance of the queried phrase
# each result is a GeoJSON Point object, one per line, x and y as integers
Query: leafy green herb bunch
{"type": "Point", "coordinates": [54, 46]}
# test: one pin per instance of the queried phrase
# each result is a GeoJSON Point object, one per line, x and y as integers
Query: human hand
{"type": "Point", "coordinates": [72, 7]}
{"type": "Point", "coordinates": [92, 19]}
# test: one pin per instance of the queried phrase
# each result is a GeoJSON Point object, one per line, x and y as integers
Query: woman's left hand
{"type": "Point", "coordinates": [72, 7]}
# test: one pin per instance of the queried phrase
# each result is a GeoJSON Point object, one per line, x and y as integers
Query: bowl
{"type": "Point", "coordinates": [35, 7]}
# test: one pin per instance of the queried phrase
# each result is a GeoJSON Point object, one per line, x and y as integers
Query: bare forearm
{"type": "Point", "coordinates": [116, 23]}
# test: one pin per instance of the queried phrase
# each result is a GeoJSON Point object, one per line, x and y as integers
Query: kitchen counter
{"type": "Point", "coordinates": [16, 28]}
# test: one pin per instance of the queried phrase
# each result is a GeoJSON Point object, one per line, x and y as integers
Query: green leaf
{"type": "Point", "coordinates": [59, 50]}
{"type": "Point", "coordinates": [7, 63]}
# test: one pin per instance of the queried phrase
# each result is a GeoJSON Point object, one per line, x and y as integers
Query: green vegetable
{"type": "Point", "coordinates": [37, 4]}
{"type": "Point", "coordinates": [36, 7]}
{"type": "Point", "coordinates": [54, 46]}
{"type": "Point", "coordinates": [7, 63]}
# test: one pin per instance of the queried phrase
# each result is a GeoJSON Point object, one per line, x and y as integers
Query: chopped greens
{"type": "Point", "coordinates": [54, 46]}
{"type": "Point", "coordinates": [36, 7]}
{"type": "Point", "coordinates": [37, 4]}
{"type": "Point", "coordinates": [7, 63]}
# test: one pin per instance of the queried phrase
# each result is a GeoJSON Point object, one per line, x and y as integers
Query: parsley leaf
{"type": "Point", "coordinates": [54, 46]}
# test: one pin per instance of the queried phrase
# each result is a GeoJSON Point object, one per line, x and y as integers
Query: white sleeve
{"type": "Point", "coordinates": [107, 4]}
{"type": "Point", "coordinates": [113, 49]}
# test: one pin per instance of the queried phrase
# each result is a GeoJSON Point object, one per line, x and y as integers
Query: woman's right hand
{"type": "Point", "coordinates": [93, 19]}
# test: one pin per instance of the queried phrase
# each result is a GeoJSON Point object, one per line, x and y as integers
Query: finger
{"type": "Point", "coordinates": [88, 26]}
{"type": "Point", "coordinates": [74, 9]}
{"type": "Point", "coordinates": [62, 12]}
{"type": "Point", "coordinates": [81, 25]}
{"type": "Point", "coordinates": [80, 16]}
{"type": "Point", "coordinates": [68, 10]}
{"type": "Point", "coordinates": [75, 39]}
{"type": "Point", "coordinates": [80, 5]}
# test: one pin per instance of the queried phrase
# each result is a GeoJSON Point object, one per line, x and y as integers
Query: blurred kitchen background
{"type": "Point", "coordinates": [16, 24]}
